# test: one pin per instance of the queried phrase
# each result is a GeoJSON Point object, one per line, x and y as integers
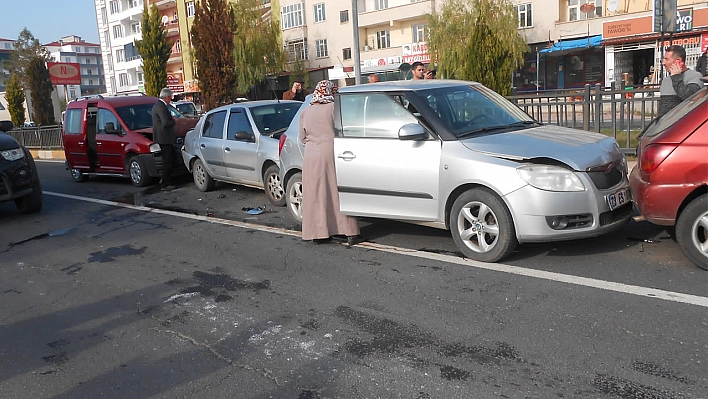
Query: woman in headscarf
{"type": "Point", "coordinates": [321, 218]}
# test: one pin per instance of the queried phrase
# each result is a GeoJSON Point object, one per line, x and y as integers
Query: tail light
{"type": "Point", "coordinates": [281, 142]}
{"type": "Point", "coordinates": [653, 155]}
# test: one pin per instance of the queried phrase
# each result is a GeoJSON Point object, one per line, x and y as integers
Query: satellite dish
{"type": "Point", "coordinates": [612, 5]}
{"type": "Point", "coordinates": [165, 19]}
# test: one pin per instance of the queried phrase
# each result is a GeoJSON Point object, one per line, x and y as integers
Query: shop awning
{"type": "Point", "coordinates": [567, 46]}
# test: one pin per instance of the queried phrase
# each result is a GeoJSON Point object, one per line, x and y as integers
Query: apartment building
{"type": "Point", "coordinates": [578, 42]}
{"type": "Point", "coordinates": [6, 48]}
{"type": "Point", "coordinates": [88, 56]}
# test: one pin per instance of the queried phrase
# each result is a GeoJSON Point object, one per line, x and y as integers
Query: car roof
{"type": "Point", "coordinates": [252, 104]}
{"type": "Point", "coordinates": [406, 85]}
{"type": "Point", "coordinates": [117, 101]}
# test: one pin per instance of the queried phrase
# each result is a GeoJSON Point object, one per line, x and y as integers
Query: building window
{"type": "Point", "coordinates": [190, 8]}
{"type": "Point", "coordinates": [292, 16]}
{"type": "Point", "coordinates": [87, 61]}
{"type": "Point", "coordinates": [104, 16]}
{"type": "Point", "coordinates": [141, 78]}
{"type": "Point", "coordinates": [383, 38]}
{"type": "Point", "coordinates": [133, 3]}
{"type": "Point", "coordinates": [135, 28]}
{"type": "Point", "coordinates": [109, 59]}
{"type": "Point", "coordinates": [419, 32]}
{"type": "Point", "coordinates": [320, 12]}
{"type": "Point", "coordinates": [117, 32]}
{"type": "Point", "coordinates": [380, 4]}
{"type": "Point", "coordinates": [90, 82]}
{"type": "Point", "coordinates": [575, 14]}
{"type": "Point", "coordinates": [89, 72]}
{"type": "Point", "coordinates": [296, 50]}
{"type": "Point", "coordinates": [114, 7]}
{"type": "Point", "coordinates": [523, 13]}
{"type": "Point", "coordinates": [107, 38]}
{"type": "Point", "coordinates": [8, 46]}
{"type": "Point", "coordinates": [344, 16]}
{"type": "Point", "coordinates": [123, 79]}
{"type": "Point", "coordinates": [347, 53]}
{"type": "Point", "coordinates": [67, 59]}
{"type": "Point", "coordinates": [321, 48]}
{"type": "Point", "coordinates": [72, 94]}
{"type": "Point", "coordinates": [120, 56]}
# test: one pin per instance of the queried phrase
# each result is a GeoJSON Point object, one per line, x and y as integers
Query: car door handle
{"type": "Point", "coordinates": [347, 156]}
{"type": "Point", "coordinates": [227, 149]}
{"type": "Point", "coordinates": [98, 143]}
{"type": "Point", "coordinates": [80, 143]}
{"type": "Point", "coordinates": [202, 146]}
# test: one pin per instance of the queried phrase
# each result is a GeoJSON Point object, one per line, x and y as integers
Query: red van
{"type": "Point", "coordinates": [113, 136]}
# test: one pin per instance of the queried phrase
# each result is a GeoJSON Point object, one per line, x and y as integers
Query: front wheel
{"type": "Point", "coordinates": [293, 197]}
{"type": "Point", "coordinates": [482, 226]}
{"type": "Point", "coordinates": [78, 176]}
{"type": "Point", "coordinates": [137, 172]}
{"type": "Point", "coordinates": [273, 186]}
{"type": "Point", "coordinates": [202, 180]}
{"type": "Point", "coordinates": [692, 231]}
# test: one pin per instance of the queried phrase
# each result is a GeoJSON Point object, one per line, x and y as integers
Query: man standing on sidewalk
{"type": "Point", "coordinates": [681, 82]}
{"type": "Point", "coordinates": [163, 132]}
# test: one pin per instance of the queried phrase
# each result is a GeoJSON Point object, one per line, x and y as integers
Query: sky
{"type": "Point", "coordinates": [49, 20]}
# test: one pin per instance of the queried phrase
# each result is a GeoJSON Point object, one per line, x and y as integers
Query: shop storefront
{"type": "Point", "coordinates": [572, 63]}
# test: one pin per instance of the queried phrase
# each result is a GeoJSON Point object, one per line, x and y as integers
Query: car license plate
{"type": "Point", "coordinates": [618, 199]}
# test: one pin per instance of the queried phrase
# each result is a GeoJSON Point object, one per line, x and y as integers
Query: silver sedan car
{"type": "Point", "coordinates": [238, 143]}
{"type": "Point", "coordinates": [459, 156]}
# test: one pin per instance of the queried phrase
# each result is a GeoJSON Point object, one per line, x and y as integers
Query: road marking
{"type": "Point", "coordinates": [497, 267]}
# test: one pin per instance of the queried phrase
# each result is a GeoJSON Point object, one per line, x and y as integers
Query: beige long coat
{"type": "Point", "coordinates": [321, 217]}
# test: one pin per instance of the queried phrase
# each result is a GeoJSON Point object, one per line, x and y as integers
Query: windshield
{"type": "Point", "coordinates": [274, 117]}
{"type": "Point", "coordinates": [186, 108]}
{"type": "Point", "coordinates": [469, 109]}
{"type": "Point", "coordinates": [677, 113]}
{"type": "Point", "coordinates": [139, 116]}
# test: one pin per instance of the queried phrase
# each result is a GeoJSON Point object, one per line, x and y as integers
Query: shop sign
{"type": "Point", "coordinates": [684, 20]}
{"type": "Point", "coordinates": [64, 73]}
{"type": "Point", "coordinates": [414, 48]}
{"type": "Point", "coordinates": [684, 41]}
{"type": "Point", "coordinates": [191, 86]}
{"type": "Point", "coordinates": [630, 27]}
{"type": "Point", "coordinates": [374, 62]}
{"type": "Point", "coordinates": [174, 82]}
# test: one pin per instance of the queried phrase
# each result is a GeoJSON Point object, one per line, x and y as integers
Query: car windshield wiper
{"type": "Point", "coordinates": [482, 130]}
{"type": "Point", "coordinates": [523, 123]}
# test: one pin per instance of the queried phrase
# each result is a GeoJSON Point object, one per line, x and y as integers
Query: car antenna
{"type": "Point", "coordinates": [270, 85]}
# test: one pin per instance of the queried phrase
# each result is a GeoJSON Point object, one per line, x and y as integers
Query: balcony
{"type": "Point", "coordinates": [404, 12]}
{"type": "Point", "coordinates": [174, 58]}
{"type": "Point", "coordinates": [164, 4]}
{"type": "Point", "coordinates": [172, 28]}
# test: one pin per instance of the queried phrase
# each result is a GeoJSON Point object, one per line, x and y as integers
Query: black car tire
{"type": "Point", "coordinates": [137, 172]}
{"type": "Point", "coordinates": [31, 203]}
{"type": "Point", "coordinates": [692, 231]}
{"type": "Point", "coordinates": [273, 186]}
{"type": "Point", "coordinates": [293, 197]}
{"type": "Point", "coordinates": [78, 176]}
{"type": "Point", "coordinates": [488, 237]}
{"type": "Point", "coordinates": [202, 179]}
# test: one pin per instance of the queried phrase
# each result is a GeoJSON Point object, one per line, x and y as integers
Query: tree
{"type": "Point", "coordinates": [213, 49]}
{"type": "Point", "coordinates": [477, 40]}
{"type": "Point", "coordinates": [15, 97]}
{"type": "Point", "coordinates": [40, 91]}
{"type": "Point", "coordinates": [154, 50]}
{"type": "Point", "coordinates": [27, 47]}
{"type": "Point", "coordinates": [258, 50]}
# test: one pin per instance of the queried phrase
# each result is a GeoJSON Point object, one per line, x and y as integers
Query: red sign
{"type": "Point", "coordinates": [174, 82]}
{"type": "Point", "coordinates": [64, 73]}
{"type": "Point", "coordinates": [704, 42]}
{"type": "Point", "coordinates": [424, 58]}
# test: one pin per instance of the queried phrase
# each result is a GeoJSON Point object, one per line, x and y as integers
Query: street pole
{"type": "Point", "coordinates": [357, 54]}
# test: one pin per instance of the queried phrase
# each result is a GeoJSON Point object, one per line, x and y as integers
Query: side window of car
{"type": "Point", "coordinates": [108, 122]}
{"type": "Point", "coordinates": [373, 115]}
{"type": "Point", "coordinates": [72, 121]}
{"type": "Point", "coordinates": [239, 127]}
{"type": "Point", "coordinates": [174, 112]}
{"type": "Point", "coordinates": [214, 125]}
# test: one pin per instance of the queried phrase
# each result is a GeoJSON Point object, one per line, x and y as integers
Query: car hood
{"type": "Point", "coordinates": [7, 142]}
{"type": "Point", "coordinates": [576, 148]}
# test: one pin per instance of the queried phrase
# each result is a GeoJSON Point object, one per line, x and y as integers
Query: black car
{"type": "Point", "coordinates": [19, 180]}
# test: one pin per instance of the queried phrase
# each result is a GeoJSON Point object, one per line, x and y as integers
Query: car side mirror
{"type": "Point", "coordinates": [111, 128]}
{"type": "Point", "coordinates": [412, 131]}
{"type": "Point", "coordinates": [6, 126]}
{"type": "Point", "coordinates": [245, 136]}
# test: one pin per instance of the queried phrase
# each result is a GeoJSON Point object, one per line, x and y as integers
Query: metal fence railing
{"type": "Point", "coordinates": [38, 137]}
{"type": "Point", "coordinates": [620, 112]}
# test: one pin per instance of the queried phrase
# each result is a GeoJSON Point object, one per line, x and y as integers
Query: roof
{"type": "Point", "coordinates": [253, 104]}
{"type": "Point", "coordinates": [115, 101]}
{"type": "Point", "coordinates": [574, 44]}
{"type": "Point", "coordinates": [60, 43]}
{"type": "Point", "coordinates": [399, 85]}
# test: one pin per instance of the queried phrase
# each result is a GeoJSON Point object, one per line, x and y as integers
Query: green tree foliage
{"type": "Point", "coordinates": [477, 40]}
{"type": "Point", "coordinates": [15, 97]}
{"type": "Point", "coordinates": [213, 50]}
{"type": "Point", "coordinates": [41, 91]}
{"type": "Point", "coordinates": [298, 69]}
{"type": "Point", "coordinates": [27, 47]}
{"type": "Point", "coordinates": [258, 50]}
{"type": "Point", "coordinates": [154, 50]}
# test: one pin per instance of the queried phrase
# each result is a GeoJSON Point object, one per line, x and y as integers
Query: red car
{"type": "Point", "coordinates": [113, 136]}
{"type": "Point", "coordinates": [670, 182]}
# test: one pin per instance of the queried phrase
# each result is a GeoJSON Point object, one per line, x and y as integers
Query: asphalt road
{"type": "Point", "coordinates": [118, 292]}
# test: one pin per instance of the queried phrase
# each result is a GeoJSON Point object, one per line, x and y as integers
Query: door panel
{"type": "Point", "coordinates": [241, 148]}
{"type": "Point", "coordinates": [74, 137]}
{"type": "Point", "coordinates": [211, 143]}
{"type": "Point", "coordinates": [111, 140]}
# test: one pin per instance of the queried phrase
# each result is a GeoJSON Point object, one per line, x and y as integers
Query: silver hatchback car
{"type": "Point", "coordinates": [459, 156]}
{"type": "Point", "coordinates": [238, 143]}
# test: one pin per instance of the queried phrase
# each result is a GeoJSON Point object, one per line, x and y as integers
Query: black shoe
{"type": "Point", "coordinates": [353, 240]}
{"type": "Point", "coordinates": [318, 241]}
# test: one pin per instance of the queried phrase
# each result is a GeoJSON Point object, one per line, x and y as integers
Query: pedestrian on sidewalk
{"type": "Point", "coordinates": [681, 82]}
{"type": "Point", "coordinates": [321, 217]}
{"type": "Point", "coordinates": [163, 131]}
{"type": "Point", "coordinates": [702, 66]}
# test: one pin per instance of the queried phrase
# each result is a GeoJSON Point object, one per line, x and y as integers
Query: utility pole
{"type": "Point", "coordinates": [357, 54]}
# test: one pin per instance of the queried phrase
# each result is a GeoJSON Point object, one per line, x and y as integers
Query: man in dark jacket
{"type": "Point", "coordinates": [702, 65]}
{"type": "Point", "coordinates": [163, 131]}
{"type": "Point", "coordinates": [681, 82]}
{"type": "Point", "coordinates": [297, 92]}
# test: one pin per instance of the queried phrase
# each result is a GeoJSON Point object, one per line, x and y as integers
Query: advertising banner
{"type": "Point", "coordinates": [64, 73]}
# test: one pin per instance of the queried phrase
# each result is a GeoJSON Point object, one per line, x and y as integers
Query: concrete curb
{"type": "Point", "coordinates": [48, 154]}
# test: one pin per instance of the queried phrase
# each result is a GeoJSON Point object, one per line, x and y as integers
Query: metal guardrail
{"type": "Point", "coordinates": [38, 137]}
{"type": "Point", "coordinates": [620, 112]}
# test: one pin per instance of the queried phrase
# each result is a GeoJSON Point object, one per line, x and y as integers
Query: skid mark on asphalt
{"type": "Point", "coordinates": [496, 267]}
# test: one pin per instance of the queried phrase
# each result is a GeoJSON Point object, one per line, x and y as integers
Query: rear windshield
{"type": "Point", "coordinates": [677, 113]}
{"type": "Point", "coordinates": [274, 117]}
{"type": "Point", "coordinates": [139, 116]}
